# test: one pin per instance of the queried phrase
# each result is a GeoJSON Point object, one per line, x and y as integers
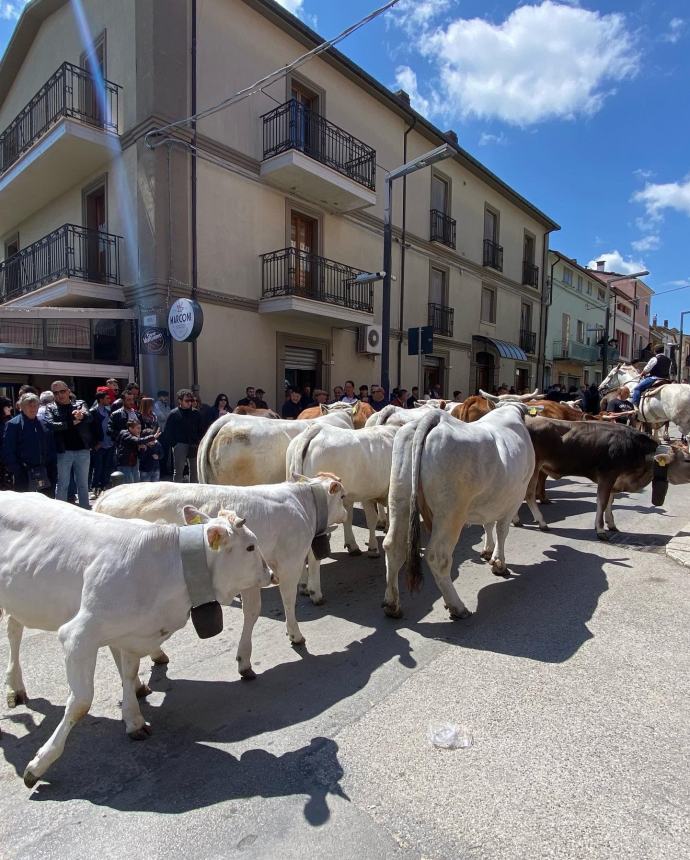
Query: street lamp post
{"type": "Point", "coordinates": [434, 155]}
{"type": "Point", "coordinates": [681, 363]}
{"type": "Point", "coordinates": [607, 319]}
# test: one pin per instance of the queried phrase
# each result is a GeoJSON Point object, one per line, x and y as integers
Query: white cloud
{"type": "Point", "coordinates": [406, 79]}
{"type": "Point", "coordinates": [10, 11]}
{"type": "Point", "coordinates": [676, 28]}
{"type": "Point", "coordinates": [641, 173]}
{"type": "Point", "coordinates": [486, 138]}
{"type": "Point", "coordinates": [647, 243]}
{"type": "Point", "coordinates": [665, 195]}
{"type": "Point", "coordinates": [413, 15]}
{"type": "Point", "coordinates": [616, 263]}
{"type": "Point", "coordinates": [543, 61]}
{"type": "Point", "coordinates": [294, 6]}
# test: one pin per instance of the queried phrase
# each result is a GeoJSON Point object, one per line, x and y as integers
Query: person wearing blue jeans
{"type": "Point", "coordinates": [70, 423]}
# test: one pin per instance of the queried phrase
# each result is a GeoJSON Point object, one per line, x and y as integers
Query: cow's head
{"type": "Point", "coordinates": [335, 494]}
{"type": "Point", "coordinates": [232, 553]}
{"type": "Point", "coordinates": [670, 465]}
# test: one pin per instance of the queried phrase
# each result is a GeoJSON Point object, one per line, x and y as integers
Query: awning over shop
{"type": "Point", "coordinates": [504, 348]}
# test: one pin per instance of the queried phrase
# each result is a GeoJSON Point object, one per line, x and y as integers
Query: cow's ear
{"type": "Point", "coordinates": [299, 479]}
{"type": "Point", "coordinates": [663, 459]}
{"type": "Point", "coordinates": [217, 537]}
{"type": "Point", "coordinates": [324, 408]}
{"type": "Point", "coordinates": [334, 487]}
{"type": "Point", "coordinates": [355, 408]}
{"type": "Point", "coordinates": [193, 516]}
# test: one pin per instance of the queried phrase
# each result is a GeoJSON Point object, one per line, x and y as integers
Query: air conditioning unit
{"type": "Point", "coordinates": [369, 339]}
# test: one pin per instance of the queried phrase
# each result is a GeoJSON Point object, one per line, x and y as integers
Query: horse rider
{"type": "Point", "coordinates": [657, 368]}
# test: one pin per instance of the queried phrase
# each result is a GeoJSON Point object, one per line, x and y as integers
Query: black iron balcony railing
{"type": "Point", "coordinates": [530, 274]}
{"type": "Point", "coordinates": [93, 340]}
{"type": "Point", "coordinates": [442, 228]}
{"type": "Point", "coordinates": [70, 92]}
{"type": "Point", "coordinates": [68, 252]}
{"type": "Point", "coordinates": [293, 126]}
{"type": "Point", "coordinates": [441, 318]}
{"type": "Point", "coordinates": [290, 272]}
{"type": "Point", "coordinates": [493, 254]}
{"type": "Point", "coordinates": [528, 340]}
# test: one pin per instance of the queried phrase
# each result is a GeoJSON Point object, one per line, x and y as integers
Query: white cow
{"type": "Point", "coordinates": [456, 473]}
{"type": "Point", "coordinates": [284, 518]}
{"type": "Point", "coordinates": [365, 456]}
{"type": "Point", "coordinates": [659, 406]}
{"type": "Point", "coordinates": [100, 581]}
{"type": "Point", "coordinates": [243, 450]}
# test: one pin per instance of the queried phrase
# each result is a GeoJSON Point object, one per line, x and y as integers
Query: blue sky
{"type": "Point", "coordinates": [583, 107]}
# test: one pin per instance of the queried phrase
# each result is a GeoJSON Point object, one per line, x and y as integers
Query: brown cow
{"type": "Point", "coordinates": [257, 413]}
{"type": "Point", "coordinates": [360, 412]}
{"type": "Point", "coordinates": [474, 407]}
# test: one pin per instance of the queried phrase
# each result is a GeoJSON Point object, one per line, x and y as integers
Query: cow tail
{"type": "Point", "coordinates": [385, 414]}
{"type": "Point", "coordinates": [414, 559]}
{"type": "Point", "coordinates": [298, 451]}
{"type": "Point", "coordinates": [203, 457]}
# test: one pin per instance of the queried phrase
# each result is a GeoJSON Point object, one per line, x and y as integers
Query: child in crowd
{"type": "Point", "coordinates": [129, 445]}
{"type": "Point", "coordinates": [150, 456]}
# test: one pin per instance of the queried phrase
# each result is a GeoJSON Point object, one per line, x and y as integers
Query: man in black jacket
{"type": "Point", "coordinates": [120, 417]}
{"type": "Point", "coordinates": [29, 448]}
{"type": "Point", "coordinates": [70, 423]}
{"type": "Point", "coordinates": [183, 432]}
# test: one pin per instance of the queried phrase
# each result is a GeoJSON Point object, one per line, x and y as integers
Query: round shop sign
{"type": "Point", "coordinates": [154, 340]}
{"type": "Point", "coordinates": [185, 319]}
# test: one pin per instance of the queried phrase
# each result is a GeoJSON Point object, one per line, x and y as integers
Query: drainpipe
{"type": "Point", "coordinates": [195, 358]}
{"type": "Point", "coordinates": [634, 304]}
{"type": "Point", "coordinates": [544, 309]}
{"type": "Point", "coordinates": [402, 254]}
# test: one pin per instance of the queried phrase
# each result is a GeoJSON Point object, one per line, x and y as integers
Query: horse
{"type": "Point", "coordinates": [668, 403]}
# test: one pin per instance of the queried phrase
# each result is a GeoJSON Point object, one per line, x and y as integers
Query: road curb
{"type": "Point", "coordinates": [678, 548]}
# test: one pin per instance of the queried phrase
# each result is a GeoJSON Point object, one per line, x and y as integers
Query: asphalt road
{"type": "Point", "coordinates": [572, 677]}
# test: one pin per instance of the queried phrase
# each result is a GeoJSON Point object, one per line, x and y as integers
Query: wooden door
{"type": "Point", "coordinates": [439, 194]}
{"type": "Point", "coordinates": [303, 237]}
{"type": "Point", "coordinates": [528, 252]}
{"type": "Point", "coordinates": [304, 121]}
{"type": "Point", "coordinates": [12, 279]}
{"type": "Point", "coordinates": [91, 94]}
{"type": "Point", "coordinates": [96, 249]}
{"type": "Point", "coordinates": [490, 225]}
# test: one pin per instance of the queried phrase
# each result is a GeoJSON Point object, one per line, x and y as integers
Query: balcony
{"type": "Point", "coordinates": [64, 134]}
{"type": "Point", "coordinates": [96, 341]}
{"type": "Point", "coordinates": [307, 155]}
{"type": "Point", "coordinates": [296, 283]}
{"type": "Point", "coordinates": [572, 350]}
{"type": "Point", "coordinates": [63, 268]}
{"type": "Point", "coordinates": [530, 274]}
{"type": "Point", "coordinates": [528, 341]}
{"type": "Point", "coordinates": [493, 255]}
{"type": "Point", "coordinates": [442, 228]}
{"type": "Point", "coordinates": [441, 318]}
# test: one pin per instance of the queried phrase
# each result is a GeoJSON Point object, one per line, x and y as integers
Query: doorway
{"type": "Point", "coordinates": [304, 124]}
{"type": "Point", "coordinates": [302, 367]}
{"type": "Point", "coordinates": [91, 96]}
{"type": "Point", "coordinates": [434, 373]}
{"type": "Point", "coordinates": [12, 283]}
{"type": "Point", "coordinates": [95, 251]}
{"type": "Point", "coordinates": [303, 239]}
{"type": "Point", "coordinates": [485, 372]}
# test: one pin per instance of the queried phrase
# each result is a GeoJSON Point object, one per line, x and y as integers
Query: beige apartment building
{"type": "Point", "coordinates": [265, 212]}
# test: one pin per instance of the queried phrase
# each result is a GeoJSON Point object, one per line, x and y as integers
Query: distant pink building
{"type": "Point", "coordinates": [634, 299]}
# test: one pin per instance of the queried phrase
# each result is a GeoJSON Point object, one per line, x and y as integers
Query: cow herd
{"type": "Point", "coordinates": [128, 574]}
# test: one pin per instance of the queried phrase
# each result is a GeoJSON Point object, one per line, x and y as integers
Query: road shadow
{"type": "Point", "coordinates": [165, 775]}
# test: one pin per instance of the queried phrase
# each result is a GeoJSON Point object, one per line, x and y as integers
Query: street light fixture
{"type": "Point", "coordinates": [605, 358]}
{"type": "Point", "coordinates": [422, 161]}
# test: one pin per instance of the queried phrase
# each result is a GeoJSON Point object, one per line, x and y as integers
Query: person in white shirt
{"type": "Point", "coordinates": [349, 396]}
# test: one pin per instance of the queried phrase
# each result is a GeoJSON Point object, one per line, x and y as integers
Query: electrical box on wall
{"type": "Point", "coordinates": [369, 339]}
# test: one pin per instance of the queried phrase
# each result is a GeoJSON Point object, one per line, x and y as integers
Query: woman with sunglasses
{"type": "Point", "coordinates": [221, 406]}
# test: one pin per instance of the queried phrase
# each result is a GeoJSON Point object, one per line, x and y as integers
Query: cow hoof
{"type": "Point", "coordinates": [373, 553]}
{"type": "Point", "coordinates": [612, 528]}
{"type": "Point", "coordinates": [602, 536]}
{"type": "Point", "coordinates": [381, 527]}
{"type": "Point", "coordinates": [160, 659]}
{"type": "Point", "coordinates": [248, 674]}
{"type": "Point", "coordinates": [543, 527]}
{"type": "Point", "coordinates": [545, 501]}
{"type": "Point", "coordinates": [303, 588]}
{"type": "Point", "coordinates": [459, 614]}
{"type": "Point", "coordinates": [353, 550]}
{"type": "Point", "coordinates": [140, 734]}
{"type": "Point", "coordinates": [143, 690]}
{"type": "Point", "coordinates": [317, 600]}
{"type": "Point", "coordinates": [30, 778]}
{"type": "Point", "coordinates": [517, 523]}
{"type": "Point", "coordinates": [486, 554]}
{"type": "Point", "coordinates": [297, 643]}
{"type": "Point", "coordinates": [498, 568]}
{"type": "Point", "coordinates": [392, 611]}
{"type": "Point", "coordinates": [16, 697]}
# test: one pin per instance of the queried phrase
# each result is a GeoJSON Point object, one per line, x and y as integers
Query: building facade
{"type": "Point", "coordinates": [576, 320]}
{"type": "Point", "coordinates": [631, 301]}
{"type": "Point", "coordinates": [264, 212]}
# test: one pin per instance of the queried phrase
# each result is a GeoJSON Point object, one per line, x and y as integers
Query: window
{"type": "Point", "coordinates": [601, 293]}
{"type": "Point", "coordinates": [579, 283]}
{"type": "Point", "coordinates": [440, 194]}
{"type": "Point", "coordinates": [528, 249]}
{"type": "Point", "coordinates": [624, 309]}
{"type": "Point", "coordinates": [589, 288]}
{"type": "Point", "coordinates": [488, 313]}
{"type": "Point", "coordinates": [526, 317]}
{"type": "Point", "coordinates": [623, 343]}
{"type": "Point", "coordinates": [491, 225]}
{"type": "Point", "coordinates": [565, 330]}
{"type": "Point", "coordinates": [580, 331]}
{"type": "Point", "coordinates": [646, 311]}
{"type": "Point", "coordinates": [567, 276]}
{"type": "Point", "coordinates": [437, 286]}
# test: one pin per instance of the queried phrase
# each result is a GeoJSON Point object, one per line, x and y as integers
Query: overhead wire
{"type": "Point", "coordinates": [267, 80]}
